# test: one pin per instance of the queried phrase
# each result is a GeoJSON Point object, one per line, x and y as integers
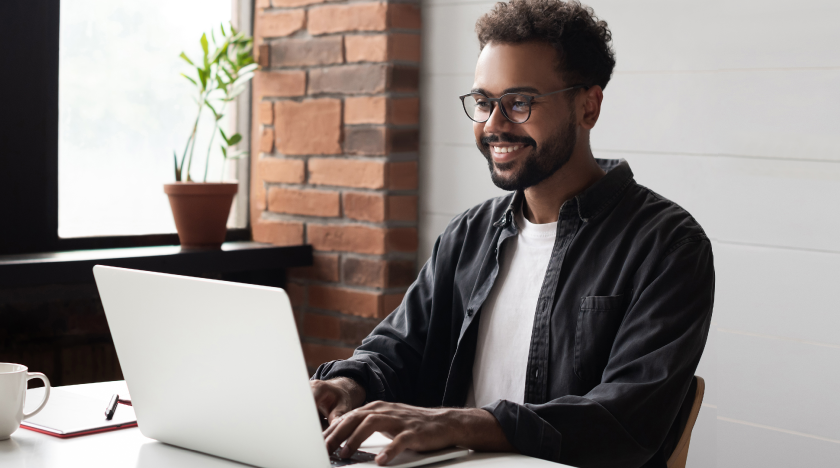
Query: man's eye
{"type": "Point", "coordinates": [520, 105]}
{"type": "Point", "coordinates": [482, 104]}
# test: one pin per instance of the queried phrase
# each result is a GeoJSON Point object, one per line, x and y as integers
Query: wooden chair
{"type": "Point", "coordinates": [680, 454]}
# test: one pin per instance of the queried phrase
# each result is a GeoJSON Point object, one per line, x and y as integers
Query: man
{"type": "Point", "coordinates": [564, 321]}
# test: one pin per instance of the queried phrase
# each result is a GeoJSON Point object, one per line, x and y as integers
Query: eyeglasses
{"type": "Point", "coordinates": [515, 107]}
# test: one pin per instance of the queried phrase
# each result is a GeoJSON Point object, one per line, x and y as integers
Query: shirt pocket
{"type": "Point", "coordinates": [598, 321]}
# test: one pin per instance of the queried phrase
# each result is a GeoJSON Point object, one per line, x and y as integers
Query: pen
{"type": "Point", "coordinates": [112, 407]}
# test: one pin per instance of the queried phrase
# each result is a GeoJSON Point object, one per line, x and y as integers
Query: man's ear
{"type": "Point", "coordinates": [589, 102]}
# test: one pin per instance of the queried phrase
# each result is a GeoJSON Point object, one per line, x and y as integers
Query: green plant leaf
{"type": "Point", "coordinates": [204, 44]}
{"type": "Point", "coordinates": [224, 137]}
{"type": "Point", "coordinates": [224, 150]}
{"type": "Point", "coordinates": [184, 56]}
{"type": "Point", "coordinates": [203, 77]}
{"type": "Point", "coordinates": [212, 109]}
{"type": "Point", "coordinates": [191, 80]}
{"type": "Point", "coordinates": [234, 139]}
{"type": "Point", "coordinates": [177, 170]}
{"type": "Point", "coordinates": [222, 27]}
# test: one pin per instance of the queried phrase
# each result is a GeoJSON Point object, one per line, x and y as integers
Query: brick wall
{"type": "Point", "coordinates": [334, 159]}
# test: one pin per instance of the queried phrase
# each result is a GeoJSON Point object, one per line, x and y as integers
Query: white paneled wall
{"type": "Point", "coordinates": [731, 109]}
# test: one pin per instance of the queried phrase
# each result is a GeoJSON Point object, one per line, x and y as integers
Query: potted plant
{"type": "Point", "coordinates": [201, 208]}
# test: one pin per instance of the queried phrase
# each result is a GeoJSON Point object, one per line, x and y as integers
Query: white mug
{"type": "Point", "coordinates": [13, 378]}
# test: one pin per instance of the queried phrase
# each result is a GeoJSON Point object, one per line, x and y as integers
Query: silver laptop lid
{"type": "Point", "coordinates": [210, 366]}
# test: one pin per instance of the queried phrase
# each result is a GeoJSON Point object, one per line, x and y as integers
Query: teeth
{"type": "Point", "coordinates": [505, 149]}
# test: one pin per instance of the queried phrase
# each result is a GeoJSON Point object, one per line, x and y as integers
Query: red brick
{"type": "Point", "coordinates": [401, 207]}
{"type": "Point", "coordinates": [366, 48]}
{"type": "Point", "coordinates": [348, 238]}
{"type": "Point", "coordinates": [353, 17]}
{"type": "Point", "coordinates": [366, 110]}
{"type": "Point", "coordinates": [307, 51]}
{"type": "Point", "coordinates": [377, 273]}
{"type": "Point", "coordinates": [288, 171]}
{"type": "Point", "coordinates": [347, 301]}
{"type": "Point", "coordinates": [354, 330]}
{"type": "Point", "coordinates": [324, 268]}
{"type": "Point", "coordinates": [405, 111]}
{"type": "Point", "coordinates": [380, 140]}
{"type": "Point", "coordinates": [404, 47]}
{"type": "Point", "coordinates": [401, 240]}
{"type": "Point", "coordinates": [293, 3]}
{"type": "Point", "coordinates": [364, 206]}
{"type": "Point", "coordinates": [265, 113]}
{"type": "Point", "coordinates": [279, 84]}
{"type": "Point", "coordinates": [403, 78]}
{"type": "Point", "coordinates": [402, 175]}
{"type": "Point", "coordinates": [277, 232]}
{"type": "Point", "coordinates": [279, 24]}
{"type": "Point", "coordinates": [317, 354]}
{"type": "Point", "coordinates": [350, 79]}
{"type": "Point", "coordinates": [262, 54]}
{"type": "Point", "coordinates": [322, 326]}
{"type": "Point", "coordinates": [297, 294]}
{"type": "Point", "coordinates": [304, 202]}
{"type": "Point", "coordinates": [258, 196]}
{"type": "Point", "coordinates": [267, 140]}
{"type": "Point", "coordinates": [312, 126]}
{"type": "Point", "coordinates": [404, 16]}
{"type": "Point", "coordinates": [262, 3]}
{"type": "Point", "coordinates": [380, 110]}
{"type": "Point", "coordinates": [349, 173]}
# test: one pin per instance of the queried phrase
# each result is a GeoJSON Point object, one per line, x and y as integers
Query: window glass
{"type": "Point", "coordinates": [124, 108]}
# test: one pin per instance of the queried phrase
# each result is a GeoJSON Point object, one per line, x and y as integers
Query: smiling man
{"type": "Point", "coordinates": [563, 321]}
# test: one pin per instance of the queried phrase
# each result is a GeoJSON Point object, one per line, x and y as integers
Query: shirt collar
{"type": "Point", "coordinates": [600, 196]}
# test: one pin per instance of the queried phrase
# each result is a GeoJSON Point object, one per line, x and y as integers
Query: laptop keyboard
{"type": "Point", "coordinates": [358, 457]}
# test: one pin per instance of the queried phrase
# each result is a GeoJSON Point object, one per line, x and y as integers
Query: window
{"type": "Point", "coordinates": [123, 109]}
{"type": "Point", "coordinates": [92, 115]}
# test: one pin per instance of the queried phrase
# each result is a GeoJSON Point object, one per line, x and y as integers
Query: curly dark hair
{"type": "Point", "coordinates": [582, 41]}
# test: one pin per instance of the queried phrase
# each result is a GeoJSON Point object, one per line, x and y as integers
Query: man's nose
{"type": "Point", "coordinates": [497, 123]}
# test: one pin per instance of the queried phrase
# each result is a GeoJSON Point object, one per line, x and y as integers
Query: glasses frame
{"type": "Point", "coordinates": [498, 103]}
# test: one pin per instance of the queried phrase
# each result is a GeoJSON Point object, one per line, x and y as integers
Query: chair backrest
{"type": "Point", "coordinates": [680, 454]}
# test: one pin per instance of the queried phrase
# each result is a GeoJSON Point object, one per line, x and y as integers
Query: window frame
{"type": "Point", "coordinates": [29, 132]}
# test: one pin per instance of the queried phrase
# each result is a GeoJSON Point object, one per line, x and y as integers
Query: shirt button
{"type": "Point", "coordinates": [469, 312]}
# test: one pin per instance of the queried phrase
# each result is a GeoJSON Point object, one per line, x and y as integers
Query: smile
{"type": "Point", "coordinates": [506, 149]}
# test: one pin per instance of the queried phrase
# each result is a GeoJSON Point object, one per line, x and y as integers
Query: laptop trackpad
{"type": "Point", "coordinates": [409, 458]}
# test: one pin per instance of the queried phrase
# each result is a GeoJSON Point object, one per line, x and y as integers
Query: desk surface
{"type": "Point", "coordinates": [129, 448]}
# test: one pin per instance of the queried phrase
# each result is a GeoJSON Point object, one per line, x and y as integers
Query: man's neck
{"type": "Point", "coordinates": [543, 201]}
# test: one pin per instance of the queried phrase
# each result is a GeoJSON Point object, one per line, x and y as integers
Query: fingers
{"type": "Point", "coordinates": [396, 447]}
{"type": "Point", "coordinates": [341, 429]}
{"type": "Point", "coordinates": [371, 423]}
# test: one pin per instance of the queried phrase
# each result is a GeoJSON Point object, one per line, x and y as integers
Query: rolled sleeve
{"type": "Point", "coordinates": [525, 430]}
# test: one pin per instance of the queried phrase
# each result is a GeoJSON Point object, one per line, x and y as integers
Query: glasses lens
{"type": "Point", "coordinates": [517, 107]}
{"type": "Point", "coordinates": [478, 107]}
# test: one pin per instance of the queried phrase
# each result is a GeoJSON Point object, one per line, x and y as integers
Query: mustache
{"type": "Point", "coordinates": [507, 138]}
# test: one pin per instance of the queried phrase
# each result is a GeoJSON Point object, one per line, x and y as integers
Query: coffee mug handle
{"type": "Point", "coordinates": [38, 375]}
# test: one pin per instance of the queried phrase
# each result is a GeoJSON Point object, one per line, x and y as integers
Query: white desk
{"type": "Point", "coordinates": [129, 448]}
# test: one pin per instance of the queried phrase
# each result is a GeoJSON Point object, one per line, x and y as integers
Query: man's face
{"type": "Point", "coordinates": [523, 155]}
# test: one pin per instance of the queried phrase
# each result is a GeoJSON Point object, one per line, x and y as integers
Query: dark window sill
{"type": "Point", "coordinates": [73, 267]}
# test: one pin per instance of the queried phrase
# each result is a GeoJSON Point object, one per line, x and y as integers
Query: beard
{"type": "Point", "coordinates": [541, 163]}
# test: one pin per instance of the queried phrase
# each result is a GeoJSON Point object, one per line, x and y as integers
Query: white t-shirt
{"type": "Point", "coordinates": [507, 317]}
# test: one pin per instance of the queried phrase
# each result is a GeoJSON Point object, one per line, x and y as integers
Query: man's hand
{"type": "Point", "coordinates": [415, 428]}
{"type": "Point", "coordinates": [335, 397]}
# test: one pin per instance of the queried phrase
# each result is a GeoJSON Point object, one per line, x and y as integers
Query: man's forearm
{"type": "Point", "coordinates": [478, 429]}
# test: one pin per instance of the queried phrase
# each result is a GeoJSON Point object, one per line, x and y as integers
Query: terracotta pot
{"type": "Point", "coordinates": [201, 211]}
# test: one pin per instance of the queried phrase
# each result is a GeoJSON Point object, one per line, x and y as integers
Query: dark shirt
{"type": "Point", "coordinates": [621, 322]}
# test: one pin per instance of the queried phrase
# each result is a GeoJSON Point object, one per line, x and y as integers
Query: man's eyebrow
{"type": "Point", "coordinates": [518, 89]}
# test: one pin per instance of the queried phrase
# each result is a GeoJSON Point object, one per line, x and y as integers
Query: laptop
{"type": "Point", "coordinates": [217, 367]}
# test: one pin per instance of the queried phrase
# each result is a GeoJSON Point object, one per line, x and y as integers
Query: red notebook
{"type": "Point", "coordinates": [70, 415]}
